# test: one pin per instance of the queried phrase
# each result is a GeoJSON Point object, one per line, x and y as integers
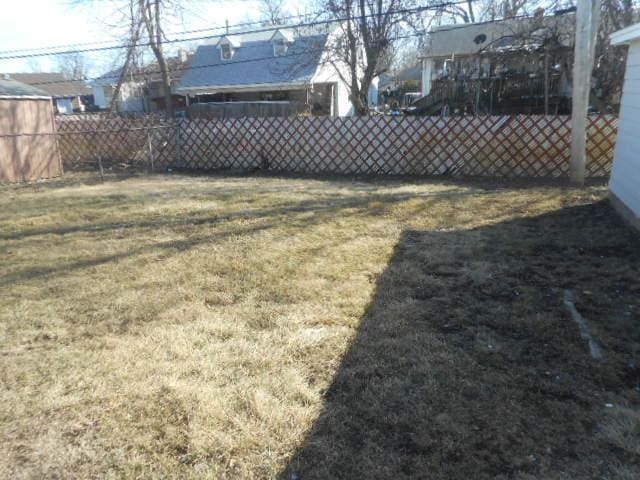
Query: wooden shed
{"type": "Point", "coordinates": [624, 185]}
{"type": "Point", "coordinates": [28, 146]}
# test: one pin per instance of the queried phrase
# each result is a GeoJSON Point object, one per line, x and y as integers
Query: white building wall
{"type": "Point", "coordinates": [373, 93]}
{"type": "Point", "coordinates": [625, 177]}
{"type": "Point", "coordinates": [427, 73]}
{"type": "Point", "coordinates": [131, 99]}
{"type": "Point", "coordinates": [64, 105]}
{"type": "Point", "coordinates": [98, 97]}
{"type": "Point", "coordinates": [345, 107]}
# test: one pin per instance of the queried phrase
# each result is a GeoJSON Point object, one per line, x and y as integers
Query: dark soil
{"type": "Point", "coordinates": [468, 365]}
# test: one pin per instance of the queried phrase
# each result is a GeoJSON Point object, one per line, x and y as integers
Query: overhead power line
{"type": "Point", "coordinates": [142, 75]}
{"type": "Point", "coordinates": [52, 49]}
{"type": "Point", "coordinates": [207, 37]}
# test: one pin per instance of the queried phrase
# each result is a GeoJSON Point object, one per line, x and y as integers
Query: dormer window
{"type": "Point", "coordinates": [281, 39]}
{"type": "Point", "coordinates": [279, 48]}
{"type": "Point", "coordinates": [227, 46]}
{"type": "Point", "coordinates": [225, 51]}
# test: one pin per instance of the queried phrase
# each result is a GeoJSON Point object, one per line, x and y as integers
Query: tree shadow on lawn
{"type": "Point", "coordinates": [466, 364]}
{"type": "Point", "coordinates": [291, 215]}
{"type": "Point", "coordinates": [322, 205]}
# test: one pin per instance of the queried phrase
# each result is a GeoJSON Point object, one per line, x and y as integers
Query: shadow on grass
{"type": "Point", "coordinates": [291, 215]}
{"type": "Point", "coordinates": [321, 206]}
{"type": "Point", "coordinates": [466, 365]}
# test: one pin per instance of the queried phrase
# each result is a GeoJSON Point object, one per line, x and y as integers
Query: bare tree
{"type": "Point", "coordinates": [34, 65]}
{"type": "Point", "coordinates": [73, 65]}
{"type": "Point", "coordinates": [364, 43]}
{"type": "Point", "coordinates": [610, 60]}
{"type": "Point", "coordinates": [453, 12]}
{"type": "Point", "coordinates": [145, 20]}
{"type": "Point", "coordinates": [135, 28]}
{"type": "Point", "coordinates": [152, 12]}
{"type": "Point", "coordinates": [272, 12]}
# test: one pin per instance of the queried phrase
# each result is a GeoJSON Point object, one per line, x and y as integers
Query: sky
{"type": "Point", "coordinates": [45, 23]}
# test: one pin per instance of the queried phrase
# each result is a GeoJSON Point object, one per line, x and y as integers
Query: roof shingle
{"type": "Point", "coordinates": [54, 83]}
{"type": "Point", "coordinates": [13, 88]}
{"type": "Point", "coordinates": [254, 63]}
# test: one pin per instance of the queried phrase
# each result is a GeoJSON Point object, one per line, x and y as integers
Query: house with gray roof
{"type": "Point", "coordinates": [286, 67]}
{"type": "Point", "coordinates": [516, 65]}
{"type": "Point", "coordinates": [69, 95]}
{"type": "Point", "coordinates": [142, 89]}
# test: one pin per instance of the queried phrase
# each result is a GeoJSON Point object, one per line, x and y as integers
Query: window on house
{"type": "Point", "coordinates": [225, 51]}
{"type": "Point", "coordinates": [279, 48]}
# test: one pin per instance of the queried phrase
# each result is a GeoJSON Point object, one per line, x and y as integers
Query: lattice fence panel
{"type": "Point", "coordinates": [115, 140]}
{"type": "Point", "coordinates": [495, 146]}
{"type": "Point", "coordinates": [601, 142]}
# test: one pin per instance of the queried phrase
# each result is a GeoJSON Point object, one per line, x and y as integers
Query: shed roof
{"type": "Point", "coordinates": [15, 89]}
{"type": "Point", "coordinates": [54, 83]}
{"type": "Point", "coordinates": [254, 63]}
{"type": "Point", "coordinates": [505, 35]}
{"type": "Point", "coordinates": [626, 35]}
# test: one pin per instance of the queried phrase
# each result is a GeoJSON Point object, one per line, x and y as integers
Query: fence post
{"type": "Point", "coordinates": [97, 153]}
{"type": "Point", "coordinates": [179, 142]}
{"type": "Point", "coordinates": [150, 148]}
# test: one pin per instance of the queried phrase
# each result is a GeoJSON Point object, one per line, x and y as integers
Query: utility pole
{"type": "Point", "coordinates": [587, 23]}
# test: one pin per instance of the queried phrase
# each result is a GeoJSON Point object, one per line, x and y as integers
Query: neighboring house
{"type": "Point", "coordinates": [142, 89]}
{"type": "Point", "coordinates": [154, 91]}
{"type": "Point", "coordinates": [625, 177]}
{"type": "Point", "coordinates": [284, 67]}
{"type": "Point", "coordinates": [509, 66]}
{"type": "Point", "coordinates": [400, 87]}
{"type": "Point", "coordinates": [130, 97]}
{"type": "Point", "coordinates": [68, 95]}
{"type": "Point", "coordinates": [398, 78]}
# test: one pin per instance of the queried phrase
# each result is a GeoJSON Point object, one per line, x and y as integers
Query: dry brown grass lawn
{"type": "Point", "coordinates": [228, 327]}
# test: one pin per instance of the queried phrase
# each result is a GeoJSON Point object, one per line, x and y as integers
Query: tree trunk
{"type": "Point", "coordinates": [135, 35]}
{"type": "Point", "coordinates": [154, 29]}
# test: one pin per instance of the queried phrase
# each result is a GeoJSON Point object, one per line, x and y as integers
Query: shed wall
{"type": "Point", "coordinates": [625, 177]}
{"type": "Point", "coordinates": [27, 157]}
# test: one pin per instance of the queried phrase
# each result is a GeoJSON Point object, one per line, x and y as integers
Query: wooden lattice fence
{"type": "Point", "coordinates": [497, 146]}
{"type": "Point", "coordinates": [135, 141]}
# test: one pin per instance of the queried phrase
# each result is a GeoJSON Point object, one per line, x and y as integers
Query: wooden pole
{"type": "Point", "coordinates": [179, 142]}
{"type": "Point", "coordinates": [587, 21]}
{"type": "Point", "coordinates": [546, 82]}
{"type": "Point", "coordinates": [150, 148]}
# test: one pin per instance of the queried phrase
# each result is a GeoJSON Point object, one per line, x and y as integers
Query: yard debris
{"type": "Point", "coordinates": [585, 333]}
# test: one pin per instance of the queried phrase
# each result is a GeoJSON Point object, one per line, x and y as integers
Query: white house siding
{"type": "Point", "coordinates": [344, 105]}
{"type": "Point", "coordinates": [625, 177]}
{"type": "Point", "coordinates": [131, 99]}
{"type": "Point", "coordinates": [64, 105]}
{"type": "Point", "coordinates": [98, 96]}
{"type": "Point", "coordinates": [427, 68]}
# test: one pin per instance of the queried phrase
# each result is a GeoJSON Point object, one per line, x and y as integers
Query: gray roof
{"type": "Point", "coordinates": [106, 79]}
{"type": "Point", "coordinates": [54, 83]}
{"type": "Point", "coordinates": [13, 88]}
{"type": "Point", "coordinates": [151, 72]}
{"type": "Point", "coordinates": [512, 34]}
{"type": "Point", "coordinates": [253, 63]}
